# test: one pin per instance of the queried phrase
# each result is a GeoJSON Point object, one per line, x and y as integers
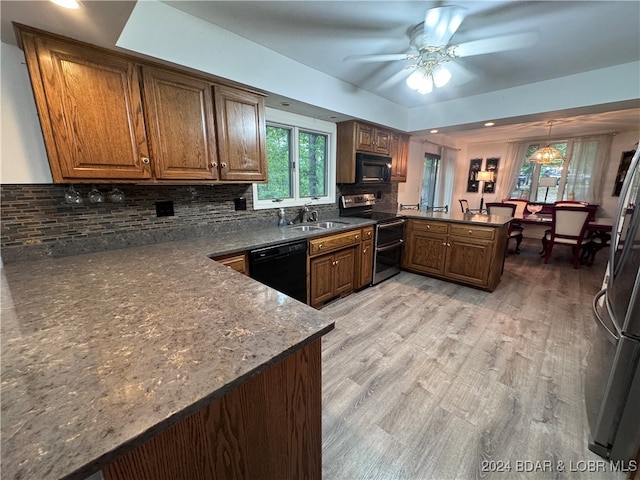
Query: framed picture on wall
{"type": "Point", "coordinates": [625, 163]}
{"type": "Point", "coordinates": [491, 166]}
{"type": "Point", "coordinates": [475, 165]}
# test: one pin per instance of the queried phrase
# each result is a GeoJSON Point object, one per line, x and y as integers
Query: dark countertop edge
{"type": "Point", "coordinates": [475, 219]}
{"type": "Point", "coordinates": [83, 472]}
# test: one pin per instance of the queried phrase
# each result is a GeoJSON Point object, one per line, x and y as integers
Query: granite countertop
{"type": "Point", "coordinates": [457, 217]}
{"type": "Point", "coordinates": [104, 350]}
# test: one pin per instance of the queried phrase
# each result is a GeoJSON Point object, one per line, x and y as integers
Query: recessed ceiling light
{"type": "Point", "coordinates": [70, 4]}
{"type": "Point", "coordinates": [489, 124]}
{"type": "Point", "coordinates": [435, 130]}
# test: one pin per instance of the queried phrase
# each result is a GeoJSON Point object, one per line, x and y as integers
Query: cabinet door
{"type": "Point", "coordinates": [322, 279]}
{"type": "Point", "coordinates": [345, 271]}
{"type": "Point", "coordinates": [366, 264]}
{"type": "Point", "coordinates": [365, 137]}
{"type": "Point", "coordinates": [382, 142]}
{"type": "Point", "coordinates": [425, 253]}
{"type": "Point", "coordinates": [469, 260]}
{"type": "Point", "coordinates": [242, 129]}
{"type": "Point", "coordinates": [90, 111]}
{"type": "Point", "coordinates": [179, 112]}
{"type": "Point", "coordinates": [399, 157]}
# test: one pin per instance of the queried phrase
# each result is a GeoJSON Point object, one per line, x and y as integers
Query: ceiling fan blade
{"type": "Point", "coordinates": [500, 43]}
{"type": "Point", "coordinates": [440, 24]}
{"type": "Point", "coordinates": [395, 78]}
{"type": "Point", "coordinates": [385, 57]}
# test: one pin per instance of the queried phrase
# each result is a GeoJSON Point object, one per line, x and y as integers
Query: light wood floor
{"type": "Point", "coordinates": [424, 379]}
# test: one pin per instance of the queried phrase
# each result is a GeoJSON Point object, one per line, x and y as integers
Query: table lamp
{"type": "Point", "coordinates": [484, 176]}
{"type": "Point", "coordinates": [547, 182]}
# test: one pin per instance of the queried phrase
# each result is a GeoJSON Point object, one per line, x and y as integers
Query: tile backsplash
{"type": "Point", "coordinates": [37, 222]}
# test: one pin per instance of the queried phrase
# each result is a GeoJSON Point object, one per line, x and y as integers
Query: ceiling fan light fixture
{"type": "Point", "coordinates": [441, 77]}
{"type": "Point", "coordinates": [421, 81]}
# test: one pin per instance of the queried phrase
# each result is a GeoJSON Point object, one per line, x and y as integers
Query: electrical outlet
{"type": "Point", "coordinates": [164, 208]}
{"type": "Point", "coordinates": [240, 203]}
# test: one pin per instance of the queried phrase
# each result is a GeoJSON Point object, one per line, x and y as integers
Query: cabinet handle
{"type": "Point", "coordinates": [336, 262]}
{"type": "Point", "coordinates": [145, 160]}
{"type": "Point", "coordinates": [364, 251]}
{"type": "Point", "coordinates": [470, 232]}
{"type": "Point", "coordinates": [214, 164]}
{"type": "Point", "coordinates": [356, 237]}
{"type": "Point", "coordinates": [444, 243]}
{"type": "Point", "coordinates": [321, 246]}
{"type": "Point", "coordinates": [448, 244]}
{"type": "Point", "coordinates": [428, 227]}
{"type": "Point", "coordinates": [368, 234]}
{"type": "Point", "coordinates": [223, 165]}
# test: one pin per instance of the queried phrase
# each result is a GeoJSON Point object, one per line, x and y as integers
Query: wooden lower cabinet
{"type": "Point", "coordinates": [332, 275]}
{"type": "Point", "coordinates": [366, 264]}
{"type": "Point", "coordinates": [238, 262]}
{"type": "Point", "coordinates": [464, 253]}
{"type": "Point", "coordinates": [269, 428]}
{"type": "Point", "coordinates": [335, 265]}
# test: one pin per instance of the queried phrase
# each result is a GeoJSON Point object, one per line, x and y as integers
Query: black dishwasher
{"type": "Point", "coordinates": [283, 267]}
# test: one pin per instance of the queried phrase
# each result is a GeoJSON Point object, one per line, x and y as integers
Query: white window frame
{"type": "Point", "coordinates": [300, 122]}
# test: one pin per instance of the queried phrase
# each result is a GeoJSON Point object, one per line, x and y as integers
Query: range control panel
{"type": "Point", "coordinates": [359, 200]}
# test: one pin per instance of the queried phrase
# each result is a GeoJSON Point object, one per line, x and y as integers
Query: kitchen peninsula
{"type": "Point", "coordinates": [142, 361]}
{"type": "Point", "coordinates": [463, 248]}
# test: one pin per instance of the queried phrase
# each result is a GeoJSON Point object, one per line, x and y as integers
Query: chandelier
{"type": "Point", "coordinates": [429, 70]}
{"type": "Point", "coordinates": [546, 154]}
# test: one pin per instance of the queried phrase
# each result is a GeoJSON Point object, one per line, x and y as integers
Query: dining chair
{"type": "Point", "coordinates": [507, 210]}
{"type": "Point", "coordinates": [568, 227]}
{"type": "Point", "coordinates": [464, 205]}
{"type": "Point", "coordinates": [521, 205]}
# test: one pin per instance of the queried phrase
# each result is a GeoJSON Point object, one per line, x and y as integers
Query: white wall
{"type": "Point", "coordinates": [23, 158]}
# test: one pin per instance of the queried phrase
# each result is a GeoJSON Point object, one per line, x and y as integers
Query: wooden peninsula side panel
{"type": "Point", "coordinates": [268, 428]}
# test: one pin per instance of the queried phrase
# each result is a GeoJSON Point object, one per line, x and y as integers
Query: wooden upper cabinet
{"type": "Point", "coordinates": [241, 135]}
{"type": "Point", "coordinates": [90, 111]}
{"type": "Point", "coordinates": [108, 116]}
{"type": "Point", "coordinates": [181, 125]}
{"type": "Point", "coordinates": [399, 157]}
{"type": "Point", "coordinates": [373, 139]}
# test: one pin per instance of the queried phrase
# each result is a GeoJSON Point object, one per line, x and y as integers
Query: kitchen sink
{"type": "Point", "coordinates": [330, 224]}
{"type": "Point", "coordinates": [306, 228]}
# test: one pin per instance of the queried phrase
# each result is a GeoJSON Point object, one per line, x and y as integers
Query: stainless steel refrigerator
{"type": "Point", "coordinates": [612, 383]}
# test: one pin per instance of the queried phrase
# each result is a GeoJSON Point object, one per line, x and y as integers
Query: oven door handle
{"type": "Point", "coordinates": [389, 247]}
{"type": "Point", "coordinates": [391, 224]}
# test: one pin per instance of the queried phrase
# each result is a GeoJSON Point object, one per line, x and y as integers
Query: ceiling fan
{"type": "Point", "coordinates": [430, 49]}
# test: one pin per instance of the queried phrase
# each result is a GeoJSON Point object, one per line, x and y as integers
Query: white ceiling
{"type": "Point", "coordinates": [574, 37]}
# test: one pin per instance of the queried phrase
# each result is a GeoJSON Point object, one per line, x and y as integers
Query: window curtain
{"type": "Point", "coordinates": [510, 169]}
{"type": "Point", "coordinates": [446, 177]}
{"type": "Point", "coordinates": [588, 168]}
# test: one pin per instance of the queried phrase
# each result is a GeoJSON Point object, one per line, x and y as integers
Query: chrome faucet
{"type": "Point", "coordinates": [304, 215]}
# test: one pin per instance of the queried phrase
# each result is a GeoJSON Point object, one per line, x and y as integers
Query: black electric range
{"type": "Point", "coordinates": [389, 233]}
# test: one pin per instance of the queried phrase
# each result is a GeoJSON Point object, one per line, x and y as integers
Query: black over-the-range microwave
{"type": "Point", "coordinates": [372, 169]}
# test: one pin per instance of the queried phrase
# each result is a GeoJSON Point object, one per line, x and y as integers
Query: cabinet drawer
{"type": "Point", "coordinates": [334, 242]}
{"type": "Point", "coordinates": [429, 226]}
{"type": "Point", "coordinates": [485, 233]}
{"type": "Point", "coordinates": [367, 233]}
